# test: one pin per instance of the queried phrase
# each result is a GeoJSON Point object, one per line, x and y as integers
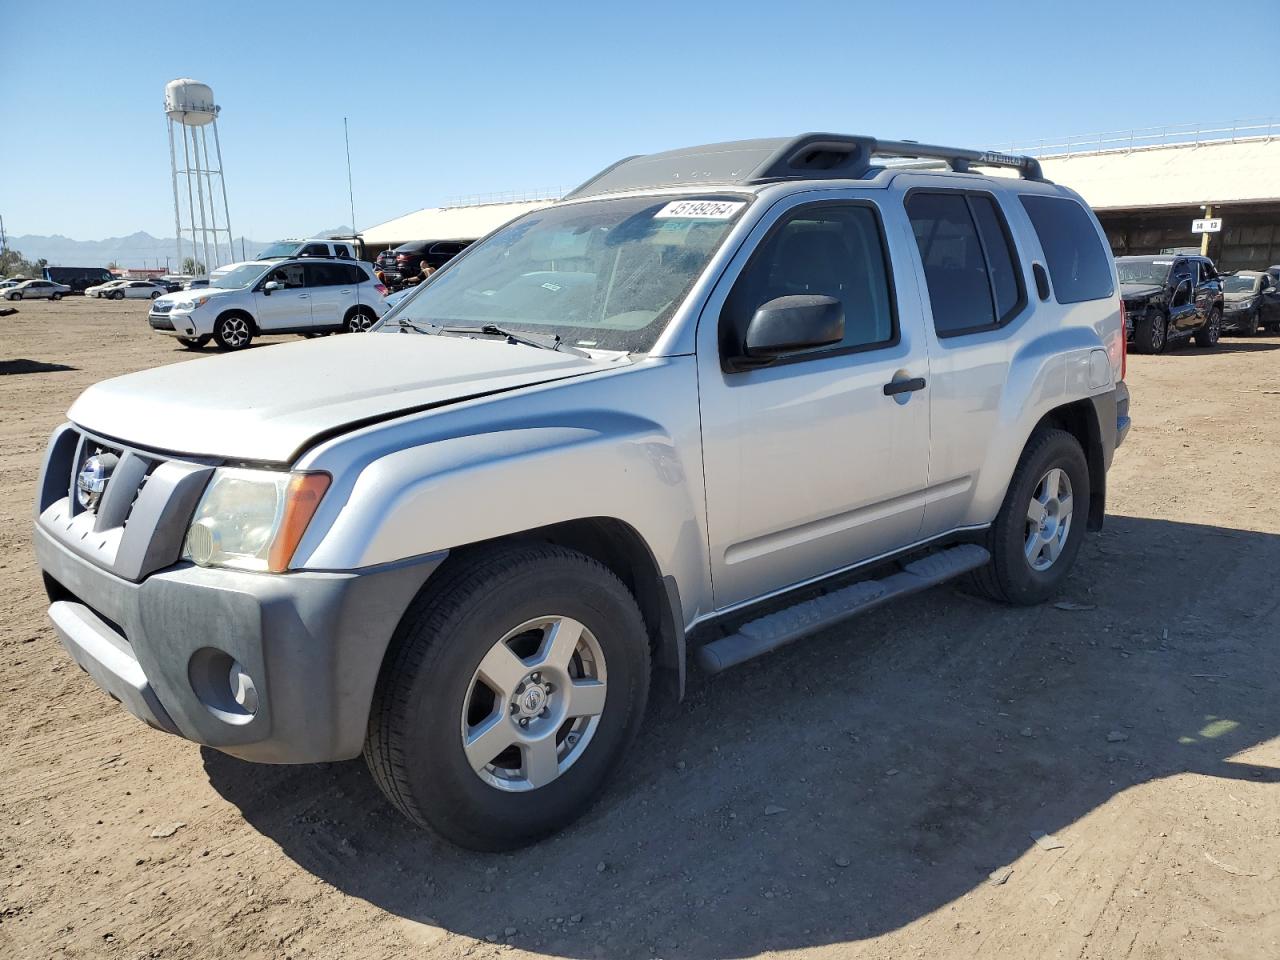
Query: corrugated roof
{"type": "Point", "coordinates": [1173, 176]}
{"type": "Point", "coordinates": [449, 223]}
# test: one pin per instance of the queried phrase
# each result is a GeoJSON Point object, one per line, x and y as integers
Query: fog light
{"type": "Point", "coordinates": [202, 541]}
{"type": "Point", "coordinates": [243, 692]}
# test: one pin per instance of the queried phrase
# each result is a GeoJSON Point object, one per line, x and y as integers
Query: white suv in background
{"type": "Point", "coordinates": [293, 296]}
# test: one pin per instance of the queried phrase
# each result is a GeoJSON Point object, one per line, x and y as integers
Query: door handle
{"type": "Point", "coordinates": [895, 387]}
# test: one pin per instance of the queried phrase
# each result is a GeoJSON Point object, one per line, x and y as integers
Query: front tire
{"type": "Point", "coordinates": [233, 332]}
{"type": "Point", "coordinates": [512, 689]}
{"type": "Point", "coordinates": [1208, 335]}
{"type": "Point", "coordinates": [1041, 524]}
{"type": "Point", "coordinates": [1151, 332]}
{"type": "Point", "coordinates": [194, 343]}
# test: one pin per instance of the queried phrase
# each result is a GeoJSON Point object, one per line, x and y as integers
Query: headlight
{"type": "Point", "coordinates": [253, 519]}
{"type": "Point", "coordinates": [191, 304]}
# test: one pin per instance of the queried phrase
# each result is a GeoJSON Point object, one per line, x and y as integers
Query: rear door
{"type": "Point", "coordinates": [285, 309]}
{"type": "Point", "coordinates": [975, 287]}
{"type": "Point", "coordinates": [809, 466]}
{"type": "Point", "coordinates": [331, 291]}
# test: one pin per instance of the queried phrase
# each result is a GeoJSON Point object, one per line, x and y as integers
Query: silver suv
{"type": "Point", "coordinates": [291, 296]}
{"type": "Point", "coordinates": [714, 400]}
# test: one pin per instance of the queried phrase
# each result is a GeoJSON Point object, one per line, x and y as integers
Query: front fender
{"type": "Point", "coordinates": [624, 446]}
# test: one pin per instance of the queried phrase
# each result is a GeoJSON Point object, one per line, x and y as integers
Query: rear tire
{"type": "Point", "coordinates": [1026, 567]}
{"type": "Point", "coordinates": [233, 331]}
{"type": "Point", "coordinates": [55, 296]}
{"type": "Point", "coordinates": [359, 320]}
{"type": "Point", "coordinates": [1151, 332]}
{"type": "Point", "coordinates": [1207, 336]}
{"type": "Point", "coordinates": [428, 744]}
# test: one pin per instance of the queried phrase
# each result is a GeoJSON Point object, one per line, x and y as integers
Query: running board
{"type": "Point", "coordinates": [775, 630]}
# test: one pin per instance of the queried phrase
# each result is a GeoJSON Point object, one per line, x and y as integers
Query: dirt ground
{"type": "Point", "coordinates": [849, 796]}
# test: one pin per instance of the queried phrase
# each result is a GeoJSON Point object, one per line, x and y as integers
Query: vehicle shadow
{"type": "Point", "coordinates": [854, 782]}
{"type": "Point", "coordinates": [12, 367]}
{"type": "Point", "coordinates": [1237, 344]}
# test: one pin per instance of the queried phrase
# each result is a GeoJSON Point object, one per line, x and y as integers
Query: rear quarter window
{"type": "Point", "coordinates": [1079, 266]}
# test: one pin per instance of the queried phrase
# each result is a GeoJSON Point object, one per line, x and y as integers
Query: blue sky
{"type": "Point", "coordinates": [457, 99]}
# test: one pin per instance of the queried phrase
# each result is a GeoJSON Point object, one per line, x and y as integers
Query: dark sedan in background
{"type": "Point", "coordinates": [1251, 302]}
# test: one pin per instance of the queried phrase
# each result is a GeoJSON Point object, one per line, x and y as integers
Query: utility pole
{"type": "Point", "coordinates": [4, 240]}
{"type": "Point", "coordinates": [1204, 237]}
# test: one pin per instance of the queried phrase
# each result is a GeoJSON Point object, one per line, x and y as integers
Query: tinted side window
{"type": "Point", "coordinates": [1006, 278]}
{"type": "Point", "coordinates": [831, 250]}
{"type": "Point", "coordinates": [342, 250]}
{"type": "Point", "coordinates": [353, 274]}
{"type": "Point", "coordinates": [315, 250]}
{"type": "Point", "coordinates": [954, 267]}
{"type": "Point", "coordinates": [1079, 266]}
{"type": "Point", "coordinates": [323, 274]}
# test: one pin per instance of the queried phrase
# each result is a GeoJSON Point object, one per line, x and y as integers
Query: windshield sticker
{"type": "Point", "coordinates": [700, 209]}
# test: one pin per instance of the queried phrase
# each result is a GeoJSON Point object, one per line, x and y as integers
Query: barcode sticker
{"type": "Point", "coordinates": [700, 210]}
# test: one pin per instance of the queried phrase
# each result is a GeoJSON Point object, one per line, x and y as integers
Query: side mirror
{"type": "Point", "coordinates": [271, 285]}
{"type": "Point", "coordinates": [788, 325]}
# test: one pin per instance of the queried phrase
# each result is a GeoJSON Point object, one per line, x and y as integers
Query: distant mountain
{"type": "Point", "coordinates": [136, 250]}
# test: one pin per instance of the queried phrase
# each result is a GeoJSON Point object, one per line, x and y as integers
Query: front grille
{"type": "Point", "coordinates": [136, 524]}
{"type": "Point", "coordinates": [160, 323]}
{"type": "Point", "coordinates": [161, 307]}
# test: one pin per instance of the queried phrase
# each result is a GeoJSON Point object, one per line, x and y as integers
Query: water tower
{"type": "Point", "coordinates": [191, 111]}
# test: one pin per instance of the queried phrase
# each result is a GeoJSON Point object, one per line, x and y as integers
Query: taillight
{"type": "Point", "coordinates": [1124, 341]}
{"type": "Point", "coordinates": [382, 291]}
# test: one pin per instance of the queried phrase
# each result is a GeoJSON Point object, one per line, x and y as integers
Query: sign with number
{"type": "Point", "coordinates": [1210, 225]}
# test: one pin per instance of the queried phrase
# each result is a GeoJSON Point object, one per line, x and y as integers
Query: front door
{"type": "Point", "coordinates": [1186, 309]}
{"type": "Point", "coordinates": [288, 308]}
{"type": "Point", "coordinates": [810, 466]}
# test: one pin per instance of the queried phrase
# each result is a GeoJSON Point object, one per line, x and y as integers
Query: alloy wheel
{"type": "Point", "coordinates": [235, 331]}
{"type": "Point", "coordinates": [1157, 331]}
{"type": "Point", "coordinates": [534, 703]}
{"type": "Point", "coordinates": [1048, 519]}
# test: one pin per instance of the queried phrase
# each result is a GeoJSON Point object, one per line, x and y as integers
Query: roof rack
{"type": "Point", "coordinates": [810, 156]}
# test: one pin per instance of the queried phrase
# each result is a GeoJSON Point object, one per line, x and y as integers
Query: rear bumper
{"type": "Point", "coordinates": [311, 643]}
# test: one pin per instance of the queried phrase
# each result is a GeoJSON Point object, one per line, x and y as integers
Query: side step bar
{"type": "Point", "coordinates": [774, 630]}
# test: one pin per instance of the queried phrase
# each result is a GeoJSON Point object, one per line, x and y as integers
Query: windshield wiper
{"type": "Point", "coordinates": [552, 342]}
{"type": "Point", "coordinates": [404, 325]}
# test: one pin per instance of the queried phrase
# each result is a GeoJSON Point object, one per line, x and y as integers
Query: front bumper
{"type": "Point", "coordinates": [174, 323]}
{"type": "Point", "coordinates": [311, 642]}
{"type": "Point", "coordinates": [1237, 319]}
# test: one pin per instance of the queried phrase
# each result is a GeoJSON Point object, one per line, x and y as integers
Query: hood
{"type": "Point", "coordinates": [267, 403]}
{"type": "Point", "coordinates": [1139, 291]}
{"type": "Point", "coordinates": [1238, 295]}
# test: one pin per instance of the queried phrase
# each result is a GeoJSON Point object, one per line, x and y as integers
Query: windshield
{"type": "Point", "coordinates": [284, 248]}
{"type": "Point", "coordinates": [1240, 284]}
{"type": "Point", "coordinates": [604, 274]}
{"type": "Point", "coordinates": [1144, 271]}
{"type": "Point", "coordinates": [241, 277]}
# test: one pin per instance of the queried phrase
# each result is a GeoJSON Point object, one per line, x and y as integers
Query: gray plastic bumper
{"type": "Point", "coordinates": [312, 644]}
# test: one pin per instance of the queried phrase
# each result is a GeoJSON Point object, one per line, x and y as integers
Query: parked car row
{"type": "Point", "coordinates": [1176, 297]}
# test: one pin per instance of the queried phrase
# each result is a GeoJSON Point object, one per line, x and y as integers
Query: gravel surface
{"type": "Point", "coordinates": [942, 778]}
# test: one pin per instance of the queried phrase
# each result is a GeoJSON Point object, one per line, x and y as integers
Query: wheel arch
{"type": "Point", "coordinates": [1080, 418]}
{"type": "Point", "coordinates": [621, 548]}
